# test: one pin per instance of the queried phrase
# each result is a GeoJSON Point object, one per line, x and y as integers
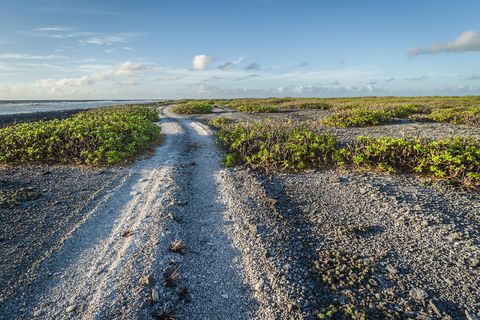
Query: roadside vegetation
{"type": "Point", "coordinates": [362, 116]}
{"type": "Point", "coordinates": [95, 137]}
{"type": "Point", "coordinates": [193, 107]}
{"type": "Point", "coordinates": [283, 147]}
{"type": "Point", "coordinates": [257, 108]}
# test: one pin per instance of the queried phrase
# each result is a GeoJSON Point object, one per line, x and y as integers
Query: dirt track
{"type": "Point", "coordinates": [94, 244]}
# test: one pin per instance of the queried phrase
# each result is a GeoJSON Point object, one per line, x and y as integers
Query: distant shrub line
{"type": "Point", "coordinates": [193, 107]}
{"type": "Point", "coordinates": [100, 136]}
{"type": "Point", "coordinates": [286, 147]}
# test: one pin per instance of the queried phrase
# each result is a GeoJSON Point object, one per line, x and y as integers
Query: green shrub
{"type": "Point", "coordinates": [455, 158]}
{"type": "Point", "coordinates": [257, 108]}
{"type": "Point", "coordinates": [277, 147]}
{"type": "Point", "coordinates": [281, 147]}
{"type": "Point", "coordinates": [193, 107]}
{"type": "Point", "coordinates": [363, 117]}
{"type": "Point", "coordinates": [101, 136]}
{"type": "Point", "coordinates": [219, 122]}
{"type": "Point", "coordinates": [457, 115]}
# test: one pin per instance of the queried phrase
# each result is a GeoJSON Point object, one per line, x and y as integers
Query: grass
{"type": "Point", "coordinates": [281, 147]}
{"type": "Point", "coordinates": [193, 107]}
{"type": "Point", "coordinates": [95, 137]}
{"type": "Point", "coordinates": [257, 108]}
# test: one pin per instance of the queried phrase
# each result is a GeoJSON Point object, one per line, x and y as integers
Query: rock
{"type": "Point", "coordinates": [155, 295]}
{"type": "Point", "coordinates": [225, 296]}
{"type": "Point", "coordinates": [418, 294]}
{"type": "Point", "coordinates": [71, 308]}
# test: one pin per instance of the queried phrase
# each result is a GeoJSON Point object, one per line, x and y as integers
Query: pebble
{"type": "Point", "coordinates": [225, 296]}
{"type": "Point", "coordinates": [418, 294]}
{"type": "Point", "coordinates": [71, 308]}
{"type": "Point", "coordinates": [155, 295]}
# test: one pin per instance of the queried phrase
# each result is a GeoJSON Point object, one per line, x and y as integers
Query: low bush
{"type": "Point", "coordinates": [219, 122]}
{"type": "Point", "coordinates": [458, 115]}
{"type": "Point", "coordinates": [257, 108]}
{"type": "Point", "coordinates": [363, 117]}
{"type": "Point", "coordinates": [276, 147]}
{"type": "Point", "coordinates": [100, 136]}
{"type": "Point", "coordinates": [455, 158]}
{"type": "Point", "coordinates": [193, 107]}
{"type": "Point", "coordinates": [292, 147]}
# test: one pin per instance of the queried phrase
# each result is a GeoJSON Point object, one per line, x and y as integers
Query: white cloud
{"type": "Point", "coordinates": [127, 69]}
{"type": "Point", "coordinates": [101, 40]}
{"type": "Point", "coordinates": [466, 41]}
{"type": "Point", "coordinates": [475, 76]}
{"type": "Point", "coordinates": [201, 62]}
{"type": "Point", "coordinates": [54, 28]}
{"type": "Point", "coordinates": [26, 56]}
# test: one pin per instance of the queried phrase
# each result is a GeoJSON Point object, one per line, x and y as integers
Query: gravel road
{"type": "Point", "coordinates": [111, 258]}
{"type": "Point", "coordinates": [177, 235]}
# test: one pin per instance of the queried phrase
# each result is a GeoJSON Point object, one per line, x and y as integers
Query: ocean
{"type": "Point", "coordinates": [23, 106]}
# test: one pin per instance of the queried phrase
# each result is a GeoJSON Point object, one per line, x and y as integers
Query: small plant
{"type": "Point", "coordinates": [177, 246]}
{"type": "Point", "coordinates": [342, 312]}
{"type": "Point", "coordinates": [171, 276]}
{"type": "Point", "coordinates": [12, 197]}
{"type": "Point", "coordinates": [341, 271]}
{"type": "Point", "coordinates": [257, 108]}
{"type": "Point", "coordinates": [193, 107]}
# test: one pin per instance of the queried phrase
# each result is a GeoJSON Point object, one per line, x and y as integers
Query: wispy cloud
{"type": "Point", "coordinates": [128, 69]}
{"type": "Point", "coordinates": [230, 64]}
{"type": "Point", "coordinates": [27, 56]}
{"type": "Point", "coordinates": [466, 41]}
{"type": "Point", "coordinates": [201, 62]}
{"type": "Point", "coordinates": [417, 78]}
{"type": "Point", "coordinates": [390, 80]}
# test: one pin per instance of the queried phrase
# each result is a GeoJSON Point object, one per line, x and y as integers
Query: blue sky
{"type": "Point", "coordinates": [85, 49]}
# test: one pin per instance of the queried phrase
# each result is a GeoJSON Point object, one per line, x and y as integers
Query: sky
{"type": "Point", "coordinates": [87, 49]}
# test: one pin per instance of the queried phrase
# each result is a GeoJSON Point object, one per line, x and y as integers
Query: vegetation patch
{"type": "Point", "coordinates": [12, 197]}
{"type": "Point", "coordinates": [100, 136]}
{"type": "Point", "coordinates": [193, 107]}
{"type": "Point", "coordinates": [276, 147]}
{"type": "Point", "coordinates": [279, 147]}
{"type": "Point", "coordinates": [455, 158]}
{"type": "Point", "coordinates": [457, 115]}
{"type": "Point", "coordinates": [363, 117]}
{"type": "Point", "coordinates": [257, 108]}
{"type": "Point", "coordinates": [219, 122]}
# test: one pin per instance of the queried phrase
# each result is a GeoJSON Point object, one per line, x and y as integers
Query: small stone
{"type": "Point", "coordinates": [71, 308]}
{"type": "Point", "coordinates": [155, 295]}
{"type": "Point", "coordinates": [225, 296]}
{"type": "Point", "coordinates": [259, 285]}
{"type": "Point", "coordinates": [474, 263]}
{"type": "Point", "coordinates": [391, 269]}
{"type": "Point", "coordinates": [418, 294]}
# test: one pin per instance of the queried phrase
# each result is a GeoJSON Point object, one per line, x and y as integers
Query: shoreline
{"type": "Point", "coordinates": [10, 119]}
